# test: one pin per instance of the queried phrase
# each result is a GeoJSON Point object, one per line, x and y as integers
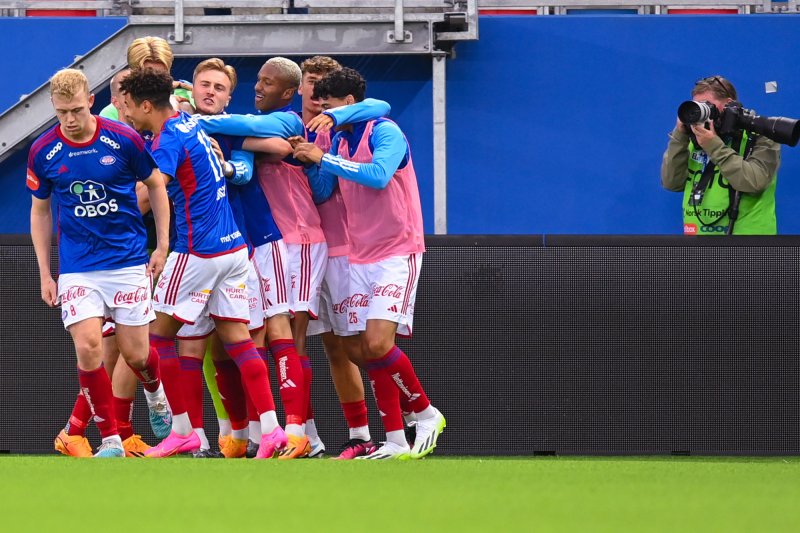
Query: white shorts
{"type": "Point", "coordinates": [122, 295]}
{"type": "Point", "coordinates": [205, 326]}
{"type": "Point", "coordinates": [254, 300]}
{"type": "Point", "coordinates": [192, 286]}
{"type": "Point", "coordinates": [202, 328]}
{"type": "Point", "coordinates": [307, 267]}
{"type": "Point", "coordinates": [272, 267]}
{"type": "Point", "coordinates": [384, 290]}
{"type": "Point", "coordinates": [334, 297]}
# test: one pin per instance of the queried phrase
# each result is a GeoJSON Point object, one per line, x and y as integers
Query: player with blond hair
{"type": "Point", "coordinates": [91, 165]}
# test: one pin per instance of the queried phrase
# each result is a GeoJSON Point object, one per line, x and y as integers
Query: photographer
{"type": "Point", "coordinates": [720, 174]}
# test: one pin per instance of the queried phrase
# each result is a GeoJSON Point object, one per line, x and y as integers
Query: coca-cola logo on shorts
{"type": "Point", "coordinates": [73, 293]}
{"type": "Point", "coordinates": [392, 290]}
{"type": "Point", "coordinates": [356, 300]}
{"type": "Point", "coordinates": [131, 297]}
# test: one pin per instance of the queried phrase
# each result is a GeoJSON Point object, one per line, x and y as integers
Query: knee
{"type": "Point", "coordinates": [376, 347]}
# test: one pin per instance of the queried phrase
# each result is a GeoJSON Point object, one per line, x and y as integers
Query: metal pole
{"type": "Point", "coordinates": [439, 144]}
{"type": "Point", "coordinates": [179, 21]}
{"type": "Point", "coordinates": [399, 30]}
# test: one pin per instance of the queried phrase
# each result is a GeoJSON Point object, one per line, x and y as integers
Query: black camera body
{"type": "Point", "coordinates": [734, 117]}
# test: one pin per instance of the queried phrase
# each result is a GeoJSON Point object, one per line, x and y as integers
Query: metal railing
{"type": "Point", "coordinates": [400, 8]}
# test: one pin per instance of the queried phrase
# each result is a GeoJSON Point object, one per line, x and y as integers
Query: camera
{"type": "Point", "coordinates": [735, 117]}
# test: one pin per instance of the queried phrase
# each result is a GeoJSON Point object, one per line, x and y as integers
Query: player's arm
{"type": "Point", "coordinates": [367, 109]}
{"type": "Point", "coordinates": [42, 236]}
{"type": "Point", "coordinates": [142, 198]}
{"type": "Point", "coordinates": [159, 203]}
{"type": "Point", "coordinates": [239, 168]}
{"type": "Point", "coordinates": [273, 148]}
{"type": "Point", "coordinates": [322, 183]}
{"type": "Point", "coordinates": [279, 124]}
{"type": "Point", "coordinates": [389, 150]}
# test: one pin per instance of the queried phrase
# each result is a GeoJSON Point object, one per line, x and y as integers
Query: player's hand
{"type": "Point", "coordinates": [320, 123]}
{"type": "Point", "coordinates": [176, 84]}
{"type": "Point", "coordinates": [49, 291]}
{"type": "Point", "coordinates": [295, 140]}
{"type": "Point", "coordinates": [308, 153]}
{"type": "Point", "coordinates": [704, 135]}
{"type": "Point", "coordinates": [157, 260]}
{"type": "Point", "coordinates": [217, 150]}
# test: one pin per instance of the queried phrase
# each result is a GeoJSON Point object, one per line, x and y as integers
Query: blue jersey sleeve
{"type": "Point", "coordinates": [168, 153]}
{"type": "Point", "coordinates": [388, 152]}
{"type": "Point", "coordinates": [278, 124]}
{"type": "Point", "coordinates": [367, 109]}
{"type": "Point", "coordinates": [242, 162]}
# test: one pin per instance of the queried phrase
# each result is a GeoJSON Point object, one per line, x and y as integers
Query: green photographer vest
{"type": "Point", "coordinates": [756, 211]}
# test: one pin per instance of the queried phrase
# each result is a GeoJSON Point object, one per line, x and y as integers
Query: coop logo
{"type": "Point", "coordinates": [111, 142]}
{"type": "Point", "coordinates": [714, 229]}
{"type": "Point", "coordinates": [54, 151]}
{"type": "Point", "coordinates": [92, 195]}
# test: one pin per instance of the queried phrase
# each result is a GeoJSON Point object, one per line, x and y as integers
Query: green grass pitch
{"type": "Point", "coordinates": [436, 494]}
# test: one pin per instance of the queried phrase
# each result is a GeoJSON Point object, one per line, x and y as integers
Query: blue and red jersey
{"type": "Point", "coordinates": [203, 215]}
{"type": "Point", "coordinates": [94, 189]}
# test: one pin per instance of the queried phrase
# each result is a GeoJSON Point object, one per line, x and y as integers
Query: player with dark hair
{"type": "Point", "coordinates": [371, 163]}
{"type": "Point", "coordinates": [206, 274]}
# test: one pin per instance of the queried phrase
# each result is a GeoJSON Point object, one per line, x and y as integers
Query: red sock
{"type": "Point", "coordinates": [254, 374]}
{"type": "Point", "coordinates": [398, 366]}
{"type": "Point", "coordinates": [290, 380]}
{"type": "Point", "coordinates": [192, 385]}
{"type": "Point", "coordinates": [149, 375]}
{"type": "Point", "coordinates": [355, 413]}
{"type": "Point", "coordinates": [123, 409]}
{"type": "Point", "coordinates": [385, 392]}
{"type": "Point", "coordinates": [96, 387]}
{"type": "Point", "coordinates": [80, 417]}
{"type": "Point", "coordinates": [305, 363]}
{"type": "Point", "coordinates": [252, 412]}
{"type": "Point", "coordinates": [229, 382]}
{"type": "Point", "coordinates": [170, 370]}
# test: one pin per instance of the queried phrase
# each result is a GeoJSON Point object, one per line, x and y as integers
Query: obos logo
{"type": "Point", "coordinates": [92, 196]}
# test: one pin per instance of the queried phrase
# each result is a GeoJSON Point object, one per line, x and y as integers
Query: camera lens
{"type": "Point", "coordinates": [691, 112]}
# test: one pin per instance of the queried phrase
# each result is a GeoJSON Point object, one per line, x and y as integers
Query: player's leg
{"type": "Point", "coordinates": [180, 298]}
{"type": "Point", "coordinates": [229, 307]}
{"type": "Point", "coordinates": [209, 374]}
{"type": "Point", "coordinates": [192, 342]}
{"type": "Point", "coordinates": [350, 390]}
{"type": "Point", "coordinates": [275, 284]}
{"type": "Point", "coordinates": [391, 311]}
{"type": "Point", "coordinates": [307, 264]}
{"type": "Point", "coordinates": [259, 336]}
{"type": "Point", "coordinates": [72, 439]}
{"type": "Point", "coordinates": [231, 387]}
{"type": "Point", "coordinates": [95, 383]}
{"type": "Point", "coordinates": [123, 385]}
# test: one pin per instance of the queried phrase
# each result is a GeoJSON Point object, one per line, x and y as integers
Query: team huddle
{"type": "Point", "coordinates": [265, 229]}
